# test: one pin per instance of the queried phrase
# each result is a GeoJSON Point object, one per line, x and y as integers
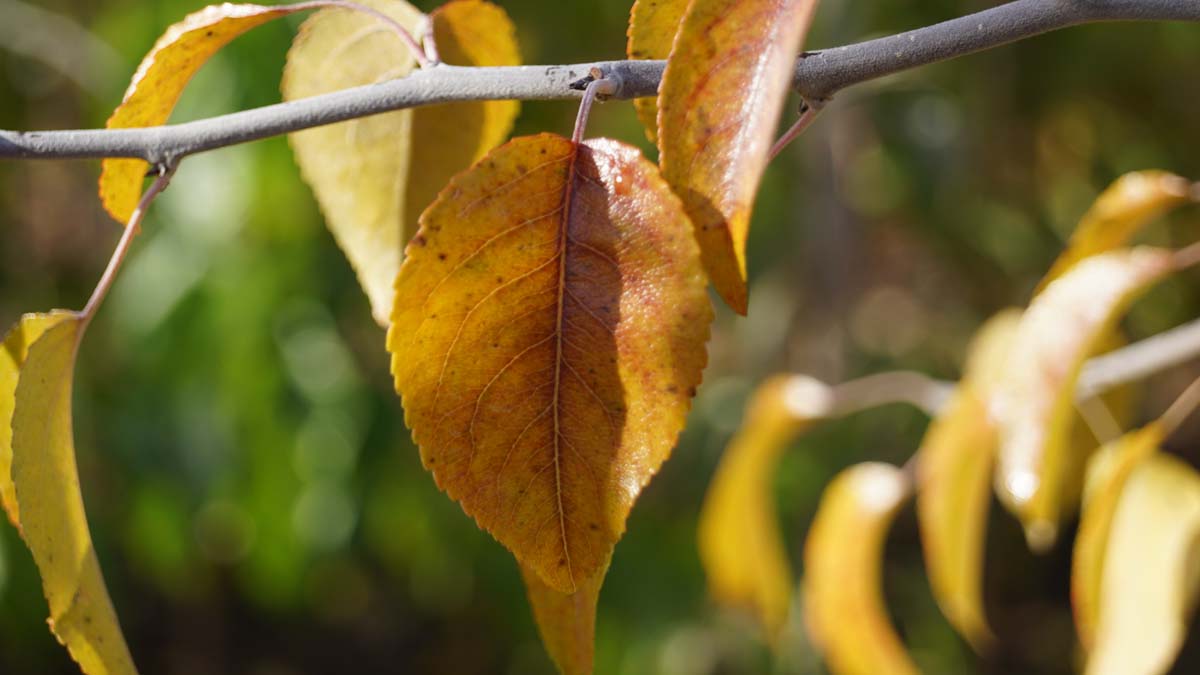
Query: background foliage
{"type": "Point", "coordinates": [256, 500]}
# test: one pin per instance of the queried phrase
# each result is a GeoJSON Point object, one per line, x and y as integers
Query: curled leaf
{"type": "Point", "coordinates": [652, 28]}
{"type": "Point", "coordinates": [359, 170]}
{"type": "Point", "coordinates": [159, 82]}
{"type": "Point", "coordinates": [1149, 579]}
{"type": "Point", "coordinates": [566, 621]}
{"type": "Point", "coordinates": [547, 339]}
{"type": "Point", "coordinates": [740, 543]}
{"type": "Point", "coordinates": [1033, 406]}
{"type": "Point", "coordinates": [719, 102]}
{"type": "Point", "coordinates": [1107, 474]}
{"type": "Point", "coordinates": [1123, 209]}
{"type": "Point", "coordinates": [52, 519]}
{"type": "Point", "coordinates": [843, 559]}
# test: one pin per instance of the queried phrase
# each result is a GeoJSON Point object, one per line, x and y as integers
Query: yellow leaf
{"type": "Point", "coordinates": [740, 543]}
{"type": "Point", "coordinates": [449, 138]}
{"type": "Point", "coordinates": [16, 350]}
{"type": "Point", "coordinates": [1106, 477]}
{"type": "Point", "coordinates": [547, 339]}
{"type": "Point", "coordinates": [652, 28]}
{"type": "Point", "coordinates": [1150, 577]}
{"type": "Point", "coordinates": [357, 169]}
{"type": "Point", "coordinates": [159, 82]}
{"type": "Point", "coordinates": [566, 621]}
{"type": "Point", "coordinates": [843, 559]}
{"type": "Point", "coordinates": [1123, 209]}
{"type": "Point", "coordinates": [1033, 407]}
{"type": "Point", "coordinates": [51, 505]}
{"type": "Point", "coordinates": [719, 102]}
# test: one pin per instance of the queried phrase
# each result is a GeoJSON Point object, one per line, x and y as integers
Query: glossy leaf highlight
{"type": "Point", "coordinates": [358, 169]}
{"type": "Point", "coordinates": [159, 82]}
{"type": "Point", "coordinates": [719, 103]}
{"type": "Point", "coordinates": [1149, 581]}
{"type": "Point", "coordinates": [1033, 406]}
{"type": "Point", "coordinates": [52, 518]}
{"type": "Point", "coordinates": [843, 561]}
{"type": "Point", "coordinates": [652, 28]}
{"type": "Point", "coordinates": [547, 339]}
{"type": "Point", "coordinates": [566, 621]}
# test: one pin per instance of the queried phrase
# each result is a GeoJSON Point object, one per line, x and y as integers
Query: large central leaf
{"type": "Point", "coordinates": [547, 338]}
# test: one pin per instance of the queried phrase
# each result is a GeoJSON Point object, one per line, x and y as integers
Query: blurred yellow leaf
{"type": "Point", "coordinates": [843, 560]}
{"type": "Point", "coordinates": [740, 544]}
{"type": "Point", "coordinates": [548, 335]}
{"type": "Point", "coordinates": [652, 28]}
{"type": "Point", "coordinates": [357, 169]}
{"type": "Point", "coordinates": [1107, 474]}
{"type": "Point", "coordinates": [566, 621]}
{"type": "Point", "coordinates": [449, 138]}
{"type": "Point", "coordinates": [159, 82]}
{"type": "Point", "coordinates": [1124, 208]}
{"type": "Point", "coordinates": [1150, 576]}
{"type": "Point", "coordinates": [1033, 406]}
{"type": "Point", "coordinates": [726, 80]}
{"type": "Point", "coordinates": [52, 518]}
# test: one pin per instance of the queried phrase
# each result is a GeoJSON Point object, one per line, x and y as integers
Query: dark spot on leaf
{"type": "Point", "coordinates": [419, 240]}
{"type": "Point", "coordinates": [441, 256]}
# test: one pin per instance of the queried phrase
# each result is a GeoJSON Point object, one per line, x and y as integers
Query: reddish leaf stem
{"type": "Point", "coordinates": [430, 42]}
{"type": "Point", "coordinates": [413, 46]}
{"type": "Point", "coordinates": [1183, 406]}
{"type": "Point", "coordinates": [599, 86]}
{"type": "Point", "coordinates": [118, 257]}
{"type": "Point", "coordinates": [808, 113]}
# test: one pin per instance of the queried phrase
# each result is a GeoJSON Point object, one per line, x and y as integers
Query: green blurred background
{"type": "Point", "coordinates": [257, 503]}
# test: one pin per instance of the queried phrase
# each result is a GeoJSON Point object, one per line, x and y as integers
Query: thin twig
{"type": "Point", "coordinates": [118, 257]}
{"type": "Point", "coordinates": [819, 75]}
{"type": "Point", "coordinates": [1179, 410]}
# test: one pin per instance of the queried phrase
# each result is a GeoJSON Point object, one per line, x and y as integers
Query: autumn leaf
{"type": "Point", "coordinates": [374, 176]}
{"type": "Point", "coordinates": [740, 543]}
{"type": "Point", "coordinates": [1148, 584]}
{"type": "Point", "coordinates": [159, 82]}
{"type": "Point", "coordinates": [1033, 406]}
{"type": "Point", "coordinates": [566, 621]}
{"type": "Point", "coordinates": [46, 482]}
{"type": "Point", "coordinates": [843, 560]}
{"type": "Point", "coordinates": [357, 169]}
{"type": "Point", "coordinates": [1106, 477]}
{"type": "Point", "coordinates": [547, 339]}
{"type": "Point", "coordinates": [719, 103]}
{"type": "Point", "coordinates": [448, 138]}
{"type": "Point", "coordinates": [1121, 211]}
{"type": "Point", "coordinates": [652, 28]}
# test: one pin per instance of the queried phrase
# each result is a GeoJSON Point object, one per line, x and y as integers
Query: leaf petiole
{"type": "Point", "coordinates": [599, 86]}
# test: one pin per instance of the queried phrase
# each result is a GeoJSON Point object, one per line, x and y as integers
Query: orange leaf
{"type": "Point", "coordinates": [740, 543]}
{"type": "Point", "coordinates": [719, 103]}
{"type": "Point", "coordinates": [843, 559]}
{"type": "Point", "coordinates": [566, 621]}
{"type": "Point", "coordinates": [652, 28]}
{"type": "Point", "coordinates": [159, 82]}
{"type": "Point", "coordinates": [1034, 405]}
{"type": "Point", "coordinates": [547, 339]}
{"type": "Point", "coordinates": [449, 138]}
{"type": "Point", "coordinates": [1124, 208]}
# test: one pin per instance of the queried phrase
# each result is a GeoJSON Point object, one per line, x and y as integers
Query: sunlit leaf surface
{"type": "Point", "coordinates": [652, 28]}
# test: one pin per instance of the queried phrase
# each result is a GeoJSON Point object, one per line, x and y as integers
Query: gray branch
{"type": "Point", "coordinates": [819, 75]}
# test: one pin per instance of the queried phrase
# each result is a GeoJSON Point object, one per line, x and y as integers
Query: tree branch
{"type": "Point", "coordinates": [819, 75]}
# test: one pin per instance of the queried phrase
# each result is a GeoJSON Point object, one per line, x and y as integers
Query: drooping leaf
{"type": "Point", "coordinates": [1106, 477]}
{"type": "Point", "coordinates": [843, 559]}
{"type": "Point", "coordinates": [1150, 577]}
{"type": "Point", "coordinates": [1033, 406]}
{"type": "Point", "coordinates": [566, 621]}
{"type": "Point", "coordinates": [359, 169]}
{"type": "Point", "coordinates": [547, 339]}
{"type": "Point", "coordinates": [652, 28]}
{"type": "Point", "coordinates": [719, 102]}
{"type": "Point", "coordinates": [12, 357]}
{"type": "Point", "coordinates": [448, 138]}
{"type": "Point", "coordinates": [1123, 209]}
{"type": "Point", "coordinates": [739, 534]}
{"type": "Point", "coordinates": [159, 82]}
{"type": "Point", "coordinates": [52, 518]}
